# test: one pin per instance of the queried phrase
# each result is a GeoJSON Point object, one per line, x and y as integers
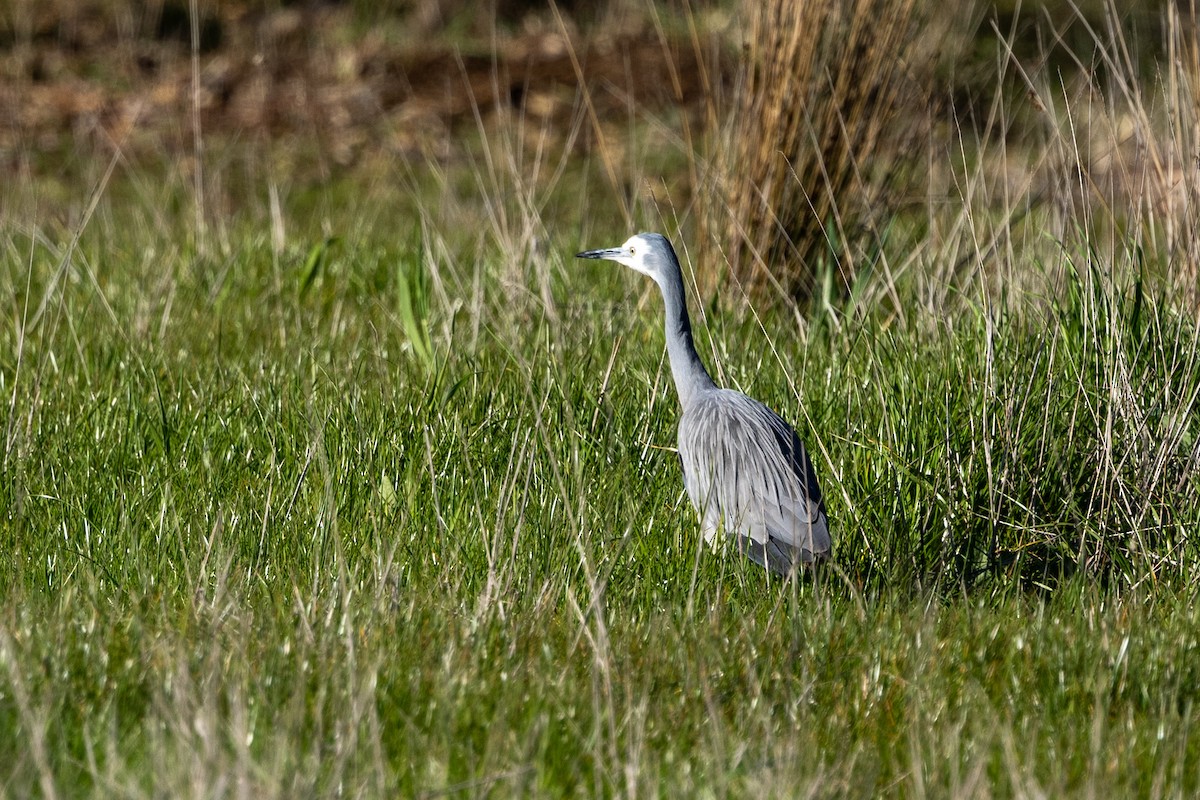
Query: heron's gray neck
{"type": "Point", "coordinates": [689, 373]}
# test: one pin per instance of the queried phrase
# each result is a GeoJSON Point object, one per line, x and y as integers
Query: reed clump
{"type": "Point", "coordinates": [829, 93]}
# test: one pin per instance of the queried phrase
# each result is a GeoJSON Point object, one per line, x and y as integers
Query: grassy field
{"type": "Point", "coordinates": [367, 488]}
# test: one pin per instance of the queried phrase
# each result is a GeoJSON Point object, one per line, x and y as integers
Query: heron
{"type": "Point", "coordinates": [745, 469]}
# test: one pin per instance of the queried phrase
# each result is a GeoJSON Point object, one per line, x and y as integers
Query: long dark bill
{"type": "Point", "coordinates": [607, 252]}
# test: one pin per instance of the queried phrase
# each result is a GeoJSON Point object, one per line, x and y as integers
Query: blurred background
{"type": "Point", "coordinates": [791, 140]}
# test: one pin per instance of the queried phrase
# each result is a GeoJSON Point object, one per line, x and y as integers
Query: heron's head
{"type": "Point", "coordinates": [648, 253]}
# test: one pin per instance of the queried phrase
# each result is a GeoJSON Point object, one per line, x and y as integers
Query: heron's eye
{"type": "Point", "coordinates": [632, 250]}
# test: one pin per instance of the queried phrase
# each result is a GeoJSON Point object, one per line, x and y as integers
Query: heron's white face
{"type": "Point", "coordinates": [634, 253]}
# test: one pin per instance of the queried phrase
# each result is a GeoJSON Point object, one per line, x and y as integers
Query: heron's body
{"type": "Point", "coordinates": [744, 468]}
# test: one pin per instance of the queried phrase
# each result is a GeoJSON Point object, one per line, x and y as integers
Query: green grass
{"type": "Point", "coordinates": [367, 520]}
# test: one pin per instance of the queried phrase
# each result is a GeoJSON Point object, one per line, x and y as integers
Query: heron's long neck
{"type": "Point", "coordinates": [686, 368]}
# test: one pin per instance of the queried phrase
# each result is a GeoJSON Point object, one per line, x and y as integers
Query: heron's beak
{"type": "Point", "coordinates": [610, 253]}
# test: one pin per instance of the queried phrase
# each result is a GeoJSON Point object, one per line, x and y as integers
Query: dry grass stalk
{"type": "Point", "coordinates": [1125, 144]}
{"type": "Point", "coordinates": [823, 86]}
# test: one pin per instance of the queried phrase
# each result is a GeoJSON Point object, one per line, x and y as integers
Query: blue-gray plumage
{"type": "Point", "coordinates": [743, 466]}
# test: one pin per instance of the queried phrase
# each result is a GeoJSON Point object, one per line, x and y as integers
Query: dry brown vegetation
{"type": "Point", "coordinates": [975, 122]}
{"type": "Point", "coordinates": [831, 94]}
{"type": "Point", "coordinates": [86, 76]}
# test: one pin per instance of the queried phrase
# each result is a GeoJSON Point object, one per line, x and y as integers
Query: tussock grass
{"type": "Point", "coordinates": [375, 503]}
{"type": "Point", "coordinates": [830, 100]}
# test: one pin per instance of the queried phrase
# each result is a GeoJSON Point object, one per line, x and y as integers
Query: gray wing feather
{"type": "Point", "coordinates": [745, 467]}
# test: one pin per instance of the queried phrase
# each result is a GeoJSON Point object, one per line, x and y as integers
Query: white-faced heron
{"type": "Point", "coordinates": [743, 466]}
